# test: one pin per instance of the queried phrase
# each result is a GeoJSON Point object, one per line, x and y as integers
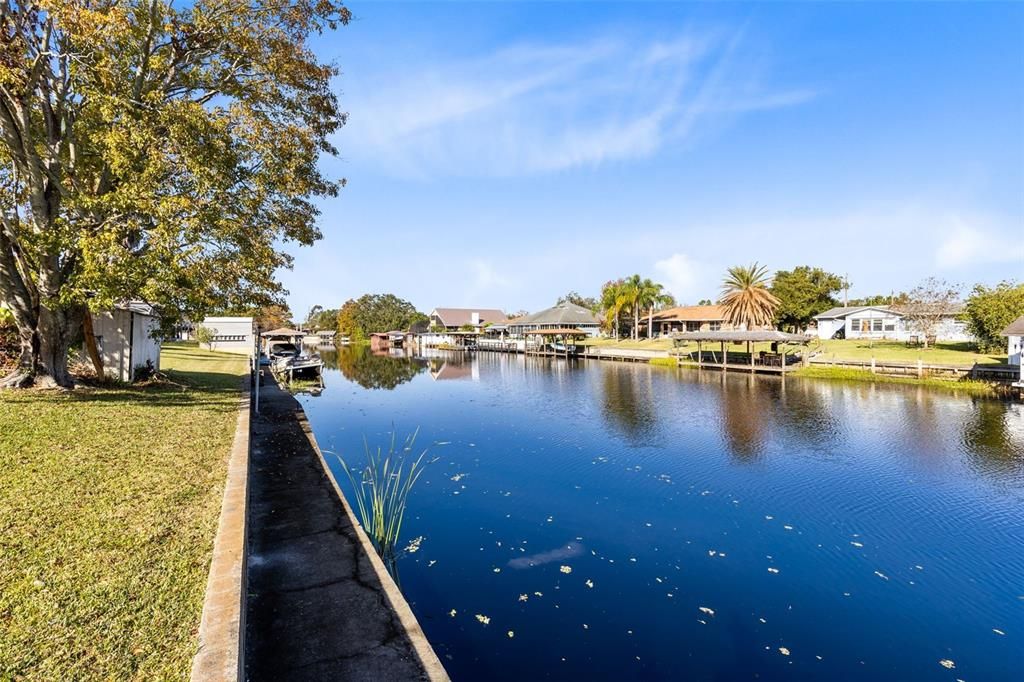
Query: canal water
{"type": "Point", "coordinates": [585, 520]}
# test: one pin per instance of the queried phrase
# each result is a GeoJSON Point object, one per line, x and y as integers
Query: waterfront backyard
{"type": "Point", "coordinates": [108, 513]}
{"type": "Point", "coordinates": [598, 520]}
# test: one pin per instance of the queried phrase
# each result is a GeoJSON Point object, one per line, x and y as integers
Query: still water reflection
{"type": "Point", "coordinates": [617, 521]}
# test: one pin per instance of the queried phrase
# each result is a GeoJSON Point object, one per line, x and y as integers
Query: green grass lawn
{"type": "Point", "coordinates": [108, 512]}
{"type": "Point", "coordinates": [941, 353]}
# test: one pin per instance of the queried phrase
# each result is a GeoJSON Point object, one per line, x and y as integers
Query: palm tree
{"type": "Point", "coordinates": [615, 300]}
{"type": "Point", "coordinates": [745, 297]}
{"type": "Point", "coordinates": [643, 294]}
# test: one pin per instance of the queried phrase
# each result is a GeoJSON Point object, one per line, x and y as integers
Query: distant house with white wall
{"type": "Point", "coordinates": [453, 319]}
{"type": "Point", "coordinates": [230, 334]}
{"type": "Point", "coordinates": [885, 322]}
{"type": "Point", "coordinates": [128, 339]}
{"type": "Point", "coordinates": [1014, 334]}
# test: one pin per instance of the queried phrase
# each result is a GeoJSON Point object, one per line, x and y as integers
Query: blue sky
{"type": "Point", "coordinates": [501, 154]}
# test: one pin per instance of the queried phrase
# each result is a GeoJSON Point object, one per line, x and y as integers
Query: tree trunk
{"type": "Point", "coordinates": [650, 322]}
{"type": "Point", "coordinates": [90, 345]}
{"type": "Point", "coordinates": [44, 348]}
{"type": "Point", "coordinates": [636, 323]}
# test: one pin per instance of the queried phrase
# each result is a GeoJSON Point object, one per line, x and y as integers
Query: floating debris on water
{"type": "Point", "coordinates": [459, 477]}
{"type": "Point", "coordinates": [769, 518]}
{"type": "Point", "coordinates": [788, 527]}
{"type": "Point", "coordinates": [414, 545]}
{"type": "Point", "coordinates": [523, 597]}
{"type": "Point", "coordinates": [948, 664]}
{"type": "Point", "coordinates": [762, 620]}
{"type": "Point", "coordinates": [538, 594]}
{"type": "Point", "coordinates": [586, 627]}
{"type": "Point", "coordinates": [998, 631]}
{"type": "Point", "coordinates": [590, 583]}
{"type": "Point", "coordinates": [772, 569]}
{"type": "Point", "coordinates": [497, 570]}
{"type": "Point", "coordinates": [565, 569]}
{"type": "Point", "coordinates": [452, 613]}
{"type": "Point", "coordinates": [784, 651]}
{"type": "Point", "coordinates": [881, 575]}
{"type": "Point", "coordinates": [431, 562]}
{"type": "Point", "coordinates": [511, 634]}
{"type": "Point", "coordinates": [856, 544]}
{"type": "Point", "coordinates": [704, 609]}
{"type": "Point", "coordinates": [712, 552]}
{"type": "Point", "coordinates": [483, 619]}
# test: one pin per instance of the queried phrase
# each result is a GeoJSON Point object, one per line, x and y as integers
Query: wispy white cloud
{"type": "Point", "coordinates": [544, 108]}
{"type": "Point", "coordinates": [965, 244]}
{"type": "Point", "coordinates": [682, 276]}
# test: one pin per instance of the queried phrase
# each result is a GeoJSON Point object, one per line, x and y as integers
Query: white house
{"type": "Point", "coordinates": [128, 339]}
{"type": "Point", "coordinates": [1014, 334]}
{"type": "Point", "coordinates": [884, 322]}
{"type": "Point", "coordinates": [231, 334]}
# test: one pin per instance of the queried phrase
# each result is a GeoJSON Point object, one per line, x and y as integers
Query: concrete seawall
{"type": "Point", "coordinates": [320, 603]}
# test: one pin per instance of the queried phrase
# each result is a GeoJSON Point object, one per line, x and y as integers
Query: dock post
{"type": "Point", "coordinates": [872, 364]}
{"type": "Point", "coordinates": [920, 370]}
{"type": "Point", "coordinates": [724, 357]}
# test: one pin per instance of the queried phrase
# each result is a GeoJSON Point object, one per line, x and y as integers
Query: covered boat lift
{"type": "Point", "coordinates": [549, 337]}
{"type": "Point", "coordinates": [775, 361]}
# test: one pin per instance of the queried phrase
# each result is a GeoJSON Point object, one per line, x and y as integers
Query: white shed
{"type": "Point", "coordinates": [231, 334]}
{"type": "Point", "coordinates": [127, 338]}
{"type": "Point", "coordinates": [1014, 334]}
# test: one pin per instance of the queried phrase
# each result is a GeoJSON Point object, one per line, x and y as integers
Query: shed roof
{"type": "Point", "coordinates": [1015, 328]}
{"type": "Point", "coordinates": [565, 331]}
{"type": "Point", "coordinates": [753, 335]}
{"type": "Point", "coordinates": [563, 314]}
{"type": "Point", "coordinates": [283, 331]}
{"type": "Point", "coordinates": [456, 317]}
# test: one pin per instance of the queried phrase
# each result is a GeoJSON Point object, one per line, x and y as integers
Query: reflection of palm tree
{"type": "Point", "coordinates": [745, 297]}
{"type": "Point", "coordinates": [742, 417]}
{"type": "Point", "coordinates": [627, 406]}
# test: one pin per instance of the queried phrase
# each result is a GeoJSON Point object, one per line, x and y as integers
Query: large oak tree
{"type": "Point", "coordinates": [156, 150]}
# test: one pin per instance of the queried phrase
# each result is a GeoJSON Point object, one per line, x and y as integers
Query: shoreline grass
{"type": "Point", "coordinates": [108, 514]}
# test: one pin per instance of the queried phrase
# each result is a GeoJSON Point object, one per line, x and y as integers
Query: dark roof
{"type": "Point", "coordinates": [566, 314]}
{"type": "Point", "coordinates": [456, 317]}
{"type": "Point", "coordinates": [755, 336]}
{"type": "Point", "coordinates": [1015, 328]}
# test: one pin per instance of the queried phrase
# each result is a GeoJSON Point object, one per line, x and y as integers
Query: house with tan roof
{"type": "Point", "coordinates": [687, 318]}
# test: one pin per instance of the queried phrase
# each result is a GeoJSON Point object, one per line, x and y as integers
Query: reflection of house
{"type": "Point", "coordinates": [448, 371]}
{"type": "Point", "coordinates": [1014, 334]}
{"type": "Point", "coordinates": [127, 339]}
{"type": "Point", "coordinates": [320, 338]}
{"type": "Point", "coordinates": [688, 318]}
{"type": "Point", "coordinates": [561, 316]}
{"type": "Point", "coordinates": [885, 322]}
{"type": "Point", "coordinates": [230, 334]}
{"type": "Point", "coordinates": [454, 318]}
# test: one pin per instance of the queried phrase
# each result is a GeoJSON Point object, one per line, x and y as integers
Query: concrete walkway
{"type": "Point", "coordinates": [320, 605]}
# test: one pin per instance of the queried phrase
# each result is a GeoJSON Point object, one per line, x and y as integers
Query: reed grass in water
{"type": "Point", "coordinates": [381, 490]}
